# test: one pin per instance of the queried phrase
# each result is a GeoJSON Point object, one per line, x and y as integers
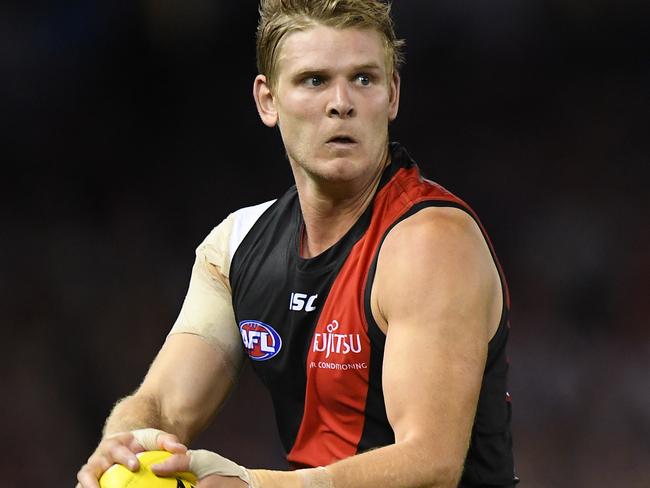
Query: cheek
{"type": "Point", "coordinates": [298, 124]}
{"type": "Point", "coordinates": [376, 105]}
{"type": "Point", "coordinates": [297, 120]}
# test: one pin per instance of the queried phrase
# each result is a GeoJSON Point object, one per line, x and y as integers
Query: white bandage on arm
{"type": "Point", "coordinates": [205, 463]}
{"type": "Point", "coordinates": [207, 310]}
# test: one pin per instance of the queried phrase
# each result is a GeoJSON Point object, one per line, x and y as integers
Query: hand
{"type": "Point", "coordinates": [212, 470]}
{"type": "Point", "coordinates": [215, 471]}
{"type": "Point", "coordinates": [121, 449]}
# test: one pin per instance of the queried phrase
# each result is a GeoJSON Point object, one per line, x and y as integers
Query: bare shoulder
{"type": "Point", "coordinates": [432, 261]}
{"type": "Point", "coordinates": [442, 225]}
{"type": "Point", "coordinates": [436, 238]}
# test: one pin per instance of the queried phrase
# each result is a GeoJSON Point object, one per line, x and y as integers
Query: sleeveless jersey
{"type": "Point", "coordinates": [308, 329]}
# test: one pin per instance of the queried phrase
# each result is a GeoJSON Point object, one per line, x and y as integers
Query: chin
{"type": "Point", "coordinates": [340, 169]}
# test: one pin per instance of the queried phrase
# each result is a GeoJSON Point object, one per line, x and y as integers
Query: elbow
{"type": "Point", "coordinates": [444, 475]}
{"type": "Point", "coordinates": [448, 476]}
{"type": "Point", "coordinates": [437, 467]}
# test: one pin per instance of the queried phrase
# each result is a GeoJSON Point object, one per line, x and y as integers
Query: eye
{"type": "Point", "coordinates": [313, 80]}
{"type": "Point", "coordinates": [363, 78]}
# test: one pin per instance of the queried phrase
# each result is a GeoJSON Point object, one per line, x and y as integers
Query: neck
{"type": "Point", "coordinates": [330, 209]}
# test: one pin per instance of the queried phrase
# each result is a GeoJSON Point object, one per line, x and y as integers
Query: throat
{"type": "Point", "coordinates": [317, 243]}
{"type": "Point", "coordinates": [324, 226]}
{"type": "Point", "coordinates": [330, 210]}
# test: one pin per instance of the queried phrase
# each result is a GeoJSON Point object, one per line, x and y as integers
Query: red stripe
{"type": "Point", "coordinates": [337, 375]}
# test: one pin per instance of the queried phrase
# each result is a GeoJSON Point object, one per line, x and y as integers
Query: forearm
{"type": "Point", "coordinates": [141, 411]}
{"type": "Point", "coordinates": [134, 412]}
{"type": "Point", "coordinates": [407, 464]}
{"type": "Point", "coordinates": [174, 399]}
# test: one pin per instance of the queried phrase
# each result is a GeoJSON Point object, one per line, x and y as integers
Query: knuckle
{"type": "Point", "coordinates": [82, 477]}
{"type": "Point", "coordinates": [103, 464]}
{"type": "Point", "coordinates": [93, 459]}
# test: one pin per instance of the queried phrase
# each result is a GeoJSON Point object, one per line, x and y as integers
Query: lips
{"type": "Point", "coordinates": [341, 139]}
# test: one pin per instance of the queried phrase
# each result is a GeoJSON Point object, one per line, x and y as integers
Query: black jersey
{"type": "Point", "coordinates": [307, 327]}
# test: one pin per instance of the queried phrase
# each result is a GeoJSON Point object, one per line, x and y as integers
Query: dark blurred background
{"type": "Point", "coordinates": [128, 131]}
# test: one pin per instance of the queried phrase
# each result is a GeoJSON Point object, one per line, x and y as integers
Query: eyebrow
{"type": "Point", "coordinates": [307, 70]}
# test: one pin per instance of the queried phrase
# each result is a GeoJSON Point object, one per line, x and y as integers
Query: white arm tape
{"type": "Point", "coordinates": [147, 438]}
{"type": "Point", "coordinates": [207, 309]}
{"type": "Point", "coordinates": [205, 463]}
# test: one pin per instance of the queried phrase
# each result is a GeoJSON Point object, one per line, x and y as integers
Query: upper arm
{"type": "Point", "coordinates": [201, 358]}
{"type": "Point", "coordinates": [437, 295]}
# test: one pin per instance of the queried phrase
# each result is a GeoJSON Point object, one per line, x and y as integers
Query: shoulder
{"type": "Point", "coordinates": [434, 231]}
{"type": "Point", "coordinates": [220, 244]}
{"type": "Point", "coordinates": [435, 261]}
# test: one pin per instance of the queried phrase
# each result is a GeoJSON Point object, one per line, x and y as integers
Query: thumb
{"type": "Point", "coordinates": [169, 442]}
{"type": "Point", "coordinates": [154, 439]}
{"type": "Point", "coordinates": [175, 463]}
{"type": "Point", "coordinates": [202, 463]}
{"type": "Point", "coordinates": [205, 463]}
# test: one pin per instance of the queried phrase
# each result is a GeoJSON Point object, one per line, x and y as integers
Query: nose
{"type": "Point", "coordinates": [340, 104]}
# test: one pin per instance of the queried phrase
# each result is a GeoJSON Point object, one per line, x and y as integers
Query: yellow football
{"type": "Point", "coordinates": [117, 476]}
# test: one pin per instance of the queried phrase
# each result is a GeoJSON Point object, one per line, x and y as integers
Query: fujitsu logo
{"type": "Point", "coordinates": [330, 342]}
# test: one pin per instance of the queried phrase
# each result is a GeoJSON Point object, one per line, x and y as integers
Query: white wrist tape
{"type": "Point", "coordinates": [204, 463]}
{"type": "Point", "coordinates": [147, 438]}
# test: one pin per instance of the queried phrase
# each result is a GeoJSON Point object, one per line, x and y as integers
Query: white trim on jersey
{"type": "Point", "coordinates": [243, 221]}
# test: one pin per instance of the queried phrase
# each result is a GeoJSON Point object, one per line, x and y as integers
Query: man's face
{"type": "Point", "coordinates": [333, 99]}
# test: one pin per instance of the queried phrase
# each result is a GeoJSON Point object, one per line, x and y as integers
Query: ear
{"type": "Point", "coordinates": [265, 101]}
{"type": "Point", "coordinates": [393, 102]}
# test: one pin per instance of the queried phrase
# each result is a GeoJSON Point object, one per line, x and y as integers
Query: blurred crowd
{"type": "Point", "coordinates": [129, 131]}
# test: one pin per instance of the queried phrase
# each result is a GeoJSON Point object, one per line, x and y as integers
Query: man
{"type": "Point", "coordinates": [368, 299]}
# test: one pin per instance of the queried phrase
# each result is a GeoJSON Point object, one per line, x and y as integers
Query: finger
{"type": "Point", "coordinates": [114, 451]}
{"type": "Point", "coordinates": [171, 443]}
{"type": "Point", "coordinates": [173, 464]}
{"type": "Point", "coordinates": [115, 446]}
{"type": "Point", "coordinates": [135, 446]}
{"type": "Point", "coordinates": [88, 477]}
{"type": "Point", "coordinates": [123, 455]}
{"type": "Point", "coordinates": [125, 438]}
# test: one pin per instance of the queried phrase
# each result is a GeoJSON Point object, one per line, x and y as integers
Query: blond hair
{"type": "Point", "coordinates": [279, 18]}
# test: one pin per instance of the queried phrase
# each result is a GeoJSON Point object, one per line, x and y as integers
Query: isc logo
{"type": "Point", "coordinates": [299, 301]}
{"type": "Point", "coordinates": [260, 340]}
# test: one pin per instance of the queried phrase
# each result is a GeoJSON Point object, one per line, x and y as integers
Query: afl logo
{"type": "Point", "coordinates": [261, 341]}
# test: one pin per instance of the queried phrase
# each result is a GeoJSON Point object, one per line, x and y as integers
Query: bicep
{"type": "Point", "coordinates": [439, 302]}
{"type": "Point", "coordinates": [208, 313]}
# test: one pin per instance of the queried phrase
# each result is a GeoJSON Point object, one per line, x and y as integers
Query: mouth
{"type": "Point", "coordinates": [341, 139]}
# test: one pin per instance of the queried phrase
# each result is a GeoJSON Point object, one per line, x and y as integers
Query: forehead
{"type": "Point", "coordinates": [323, 47]}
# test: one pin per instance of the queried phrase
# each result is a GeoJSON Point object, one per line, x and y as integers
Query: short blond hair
{"type": "Point", "coordinates": [278, 18]}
